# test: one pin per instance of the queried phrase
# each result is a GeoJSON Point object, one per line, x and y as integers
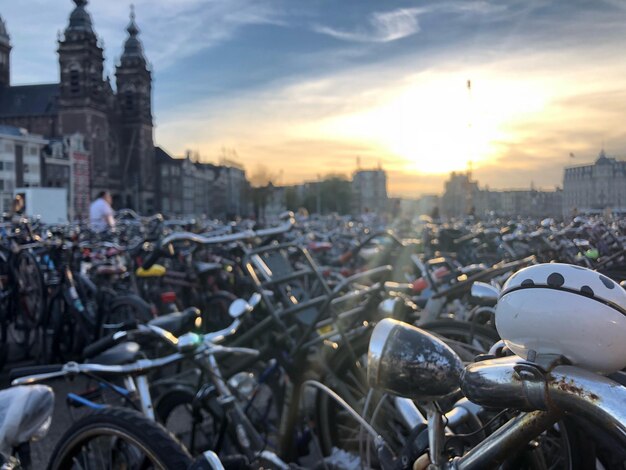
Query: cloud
{"type": "Point", "coordinates": [532, 108]}
{"type": "Point", "coordinates": [383, 27]}
{"type": "Point", "coordinates": [175, 30]}
{"type": "Point", "coordinates": [171, 30]}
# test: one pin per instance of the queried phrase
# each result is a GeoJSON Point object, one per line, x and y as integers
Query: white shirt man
{"type": "Point", "coordinates": [101, 213]}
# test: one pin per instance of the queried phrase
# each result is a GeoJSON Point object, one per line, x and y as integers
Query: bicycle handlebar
{"type": "Point", "coordinates": [216, 240]}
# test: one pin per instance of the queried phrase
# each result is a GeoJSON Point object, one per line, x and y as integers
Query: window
{"type": "Point", "coordinates": [34, 151]}
{"type": "Point", "coordinates": [128, 101]}
{"type": "Point", "coordinates": [26, 168]}
{"type": "Point", "coordinates": [1, 166]}
{"type": "Point", "coordinates": [1, 185]}
{"type": "Point", "coordinates": [74, 81]}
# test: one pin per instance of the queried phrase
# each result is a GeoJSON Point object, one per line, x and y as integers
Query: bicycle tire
{"type": "Point", "coordinates": [31, 299]}
{"type": "Point", "coordinates": [147, 436]}
{"type": "Point", "coordinates": [214, 307]}
{"type": "Point", "coordinates": [473, 337]}
{"type": "Point", "coordinates": [572, 449]}
{"type": "Point", "coordinates": [175, 407]}
{"type": "Point", "coordinates": [130, 307]}
{"type": "Point", "coordinates": [62, 342]}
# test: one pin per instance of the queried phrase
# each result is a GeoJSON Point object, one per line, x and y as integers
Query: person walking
{"type": "Point", "coordinates": [101, 213]}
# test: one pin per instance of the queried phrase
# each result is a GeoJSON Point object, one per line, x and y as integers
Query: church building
{"type": "Point", "coordinates": [115, 122]}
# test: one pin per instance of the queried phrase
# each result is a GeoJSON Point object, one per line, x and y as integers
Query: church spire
{"type": "Point", "coordinates": [80, 21]}
{"type": "Point", "coordinates": [133, 50]}
{"type": "Point", "coordinates": [5, 40]}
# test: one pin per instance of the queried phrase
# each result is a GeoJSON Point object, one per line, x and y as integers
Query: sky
{"type": "Point", "coordinates": [298, 89]}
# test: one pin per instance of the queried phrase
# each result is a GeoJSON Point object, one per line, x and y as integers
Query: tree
{"type": "Point", "coordinates": [261, 176]}
{"type": "Point", "coordinates": [336, 194]}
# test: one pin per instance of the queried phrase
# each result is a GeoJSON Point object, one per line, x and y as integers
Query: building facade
{"type": "Point", "coordinates": [369, 190]}
{"type": "Point", "coordinates": [463, 197]}
{"type": "Point", "coordinates": [595, 188]}
{"type": "Point", "coordinates": [67, 164]}
{"type": "Point", "coordinates": [459, 197]}
{"type": "Point", "coordinates": [117, 125]}
{"type": "Point", "coordinates": [185, 188]}
{"type": "Point", "coordinates": [20, 162]}
{"type": "Point", "coordinates": [523, 203]}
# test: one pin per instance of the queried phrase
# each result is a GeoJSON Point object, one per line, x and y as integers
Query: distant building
{"type": "Point", "coordinates": [67, 164]}
{"type": "Point", "coordinates": [369, 189]}
{"type": "Point", "coordinates": [459, 196]}
{"type": "Point", "coordinates": [524, 203]}
{"type": "Point", "coordinates": [275, 203]}
{"type": "Point", "coordinates": [20, 162]}
{"type": "Point", "coordinates": [463, 197]}
{"type": "Point", "coordinates": [595, 188]}
{"type": "Point", "coordinates": [231, 181]}
{"type": "Point", "coordinates": [185, 188]}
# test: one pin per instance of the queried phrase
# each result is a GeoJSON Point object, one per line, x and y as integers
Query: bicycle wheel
{"type": "Point", "coordinates": [59, 340]}
{"type": "Point", "coordinates": [6, 306]}
{"type": "Point", "coordinates": [338, 432]}
{"type": "Point", "coordinates": [118, 438]}
{"type": "Point", "coordinates": [214, 307]}
{"type": "Point", "coordinates": [471, 337]}
{"type": "Point", "coordinates": [122, 311]}
{"type": "Point", "coordinates": [31, 299]}
{"type": "Point", "coordinates": [192, 425]}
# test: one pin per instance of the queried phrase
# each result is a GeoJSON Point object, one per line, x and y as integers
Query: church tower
{"type": "Point", "coordinates": [5, 55]}
{"type": "Point", "coordinates": [83, 92]}
{"type": "Point", "coordinates": [81, 59]}
{"type": "Point", "coordinates": [134, 97]}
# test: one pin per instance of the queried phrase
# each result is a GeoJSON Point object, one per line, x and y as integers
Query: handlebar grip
{"type": "Point", "coordinates": [99, 346]}
{"type": "Point", "coordinates": [18, 372]}
{"type": "Point", "coordinates": [151, 259]}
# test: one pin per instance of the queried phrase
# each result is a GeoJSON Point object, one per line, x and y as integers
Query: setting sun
{"type": "Point", "coordinates": [439, 123]}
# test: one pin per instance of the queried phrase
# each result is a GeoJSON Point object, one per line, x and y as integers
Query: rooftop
{"type": "Point", "coordinates": [29, 100]}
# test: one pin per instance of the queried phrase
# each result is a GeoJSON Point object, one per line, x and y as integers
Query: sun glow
{"type": "Point", "coordinates": [437, 123]}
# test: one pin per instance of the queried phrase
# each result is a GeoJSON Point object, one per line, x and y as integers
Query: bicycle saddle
{"type": "Point", "coordinates": [25, 414]}
{"type": "Point", "coordinates": [179, 323]}
{"type": "Point", "coordinates": [122, 353]}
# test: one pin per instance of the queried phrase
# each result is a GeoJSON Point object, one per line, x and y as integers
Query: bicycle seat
{"type": "Point", "coordinates": [25, 413]}
{"type": "Point", "coordinates": [179, 323]}
{"type": "Point", "coordinates": [122, 353]}
{"type": "Point", "coordinates": [156, 270]}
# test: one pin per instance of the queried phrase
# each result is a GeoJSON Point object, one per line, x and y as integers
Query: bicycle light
{"type": "Point", "coordinates": [410, 362]}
